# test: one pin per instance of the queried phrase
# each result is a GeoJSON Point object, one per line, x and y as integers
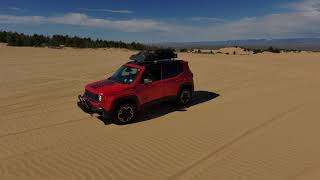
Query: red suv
{"type": "Point", "coordinates": [136, 84]}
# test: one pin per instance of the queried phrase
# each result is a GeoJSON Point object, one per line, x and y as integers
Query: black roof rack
{"type": "Point", "coordinates": [153, 56]}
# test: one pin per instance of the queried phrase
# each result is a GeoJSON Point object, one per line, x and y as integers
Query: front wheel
{"type": "Point", "coordinates": [184, 97]}
{"type": "Point", "coordinates": [125, 113]}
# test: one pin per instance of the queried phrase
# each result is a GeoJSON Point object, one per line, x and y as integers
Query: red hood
{"type": "Point", "coordinates": [105, 87]}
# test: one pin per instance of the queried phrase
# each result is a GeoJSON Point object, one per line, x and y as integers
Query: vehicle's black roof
{"type": "Point", "coordinates": [149, 57]}
{"type": "Point", "coordinates": [147, 63]}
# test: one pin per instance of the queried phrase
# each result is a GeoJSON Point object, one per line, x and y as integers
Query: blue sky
{"type": "Point", "coordinates": [163, 21]}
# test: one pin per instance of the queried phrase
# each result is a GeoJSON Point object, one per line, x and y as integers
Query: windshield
{"type": "Point", "coordinates": [126, 75]}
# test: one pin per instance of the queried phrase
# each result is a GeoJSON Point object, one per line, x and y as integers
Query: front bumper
{"type": "Point", "coordinates": [87, 107]}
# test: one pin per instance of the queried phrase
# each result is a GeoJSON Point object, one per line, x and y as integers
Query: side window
{"type": "Point", "coordinates": [171, 70]}
{"type": "Point", "coordinates": [153, 73]}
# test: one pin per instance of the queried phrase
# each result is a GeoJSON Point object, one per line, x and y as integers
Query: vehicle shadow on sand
{"type": "Point", "coordinates": [162, 109]}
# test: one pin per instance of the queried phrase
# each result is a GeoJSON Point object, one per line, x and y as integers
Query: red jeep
{"type": "Point", "coordinates": [136, 84]}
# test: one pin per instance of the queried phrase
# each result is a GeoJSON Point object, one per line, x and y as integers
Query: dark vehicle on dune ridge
{"type": "Point", "coordinates": [151, 76]}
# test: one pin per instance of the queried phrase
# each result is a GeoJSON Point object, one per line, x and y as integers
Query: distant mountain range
{"type": "Point", "coordinates": [310, 44]}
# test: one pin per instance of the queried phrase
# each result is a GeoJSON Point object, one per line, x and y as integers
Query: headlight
{"type": "Point", "coordinates": [100, 97]}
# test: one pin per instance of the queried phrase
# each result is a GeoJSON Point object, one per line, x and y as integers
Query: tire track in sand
{"type": "Point", "coordinates": [45, 127]}
{"type": "Point", "coordinates": [233, 141]}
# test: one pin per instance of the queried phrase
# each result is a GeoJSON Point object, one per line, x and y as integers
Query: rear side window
{"type": "Point", "coordinates": [152, 72]}
{"type": "Point", "coordinates": [171, 70]}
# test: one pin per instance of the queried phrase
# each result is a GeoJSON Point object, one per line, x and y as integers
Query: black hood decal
{"type": "Point", "coordinates": [104, 83]}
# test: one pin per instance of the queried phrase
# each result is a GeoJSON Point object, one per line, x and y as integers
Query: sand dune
{"type": "Point", "coordinates": [252, 117]}
{"type": "Point", "coordinates": [227, 50]}
{"type": "Point", "coordinates": [233, 50]}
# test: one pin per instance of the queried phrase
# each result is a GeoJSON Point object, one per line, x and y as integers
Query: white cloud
{"type": "Point", "coordinates": [308, 7]}
{"type": "Point", "coordinates": [122, 11]}
{"type": "Point", "coordinates": [302, 21]}
{"type": "Point", "coordinates": [207, 19]}
{"type": "Point", "coordinates": [21, 19]}
{"type": "Point", "coordinates": [15, 9]}
{"type": "Point", "coordinates": [78, 19]}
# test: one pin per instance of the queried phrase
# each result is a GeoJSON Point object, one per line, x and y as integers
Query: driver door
{"type": "Point", "coordinates": [151, 91]}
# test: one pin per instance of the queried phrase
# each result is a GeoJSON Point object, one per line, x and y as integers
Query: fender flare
{"type": "Point", "coordinates": [186, 85]}
{"type": "Point", "coordinates": [131, 98]}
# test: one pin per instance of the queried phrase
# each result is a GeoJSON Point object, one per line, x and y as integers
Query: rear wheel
{"type": "Point", "coordinates": [184, 97]}
{"type": "Point", "coordinates": [125, 113]}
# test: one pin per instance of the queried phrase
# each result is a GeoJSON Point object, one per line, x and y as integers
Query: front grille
{"type": "Point", "coordinates": [93, 97]}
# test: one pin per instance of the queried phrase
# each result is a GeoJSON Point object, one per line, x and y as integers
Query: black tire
{"type": "Point", "coordinates": [184, 97]}
{"type": "Point", "coordinates": [125, 113]}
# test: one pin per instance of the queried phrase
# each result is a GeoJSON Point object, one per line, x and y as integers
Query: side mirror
{"type": "Point", "coordinates": [147, 81]}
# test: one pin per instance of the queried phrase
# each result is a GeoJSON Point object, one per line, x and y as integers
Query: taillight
{"type": "Point", "coordinates": [188, 68]}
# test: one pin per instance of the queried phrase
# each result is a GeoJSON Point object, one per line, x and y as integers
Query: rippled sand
{"type": "Point", "coordinates": [252, 117]}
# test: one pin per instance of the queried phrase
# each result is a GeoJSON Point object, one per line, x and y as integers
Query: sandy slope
{"type": "Point", "coordinates": [264, 125]}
